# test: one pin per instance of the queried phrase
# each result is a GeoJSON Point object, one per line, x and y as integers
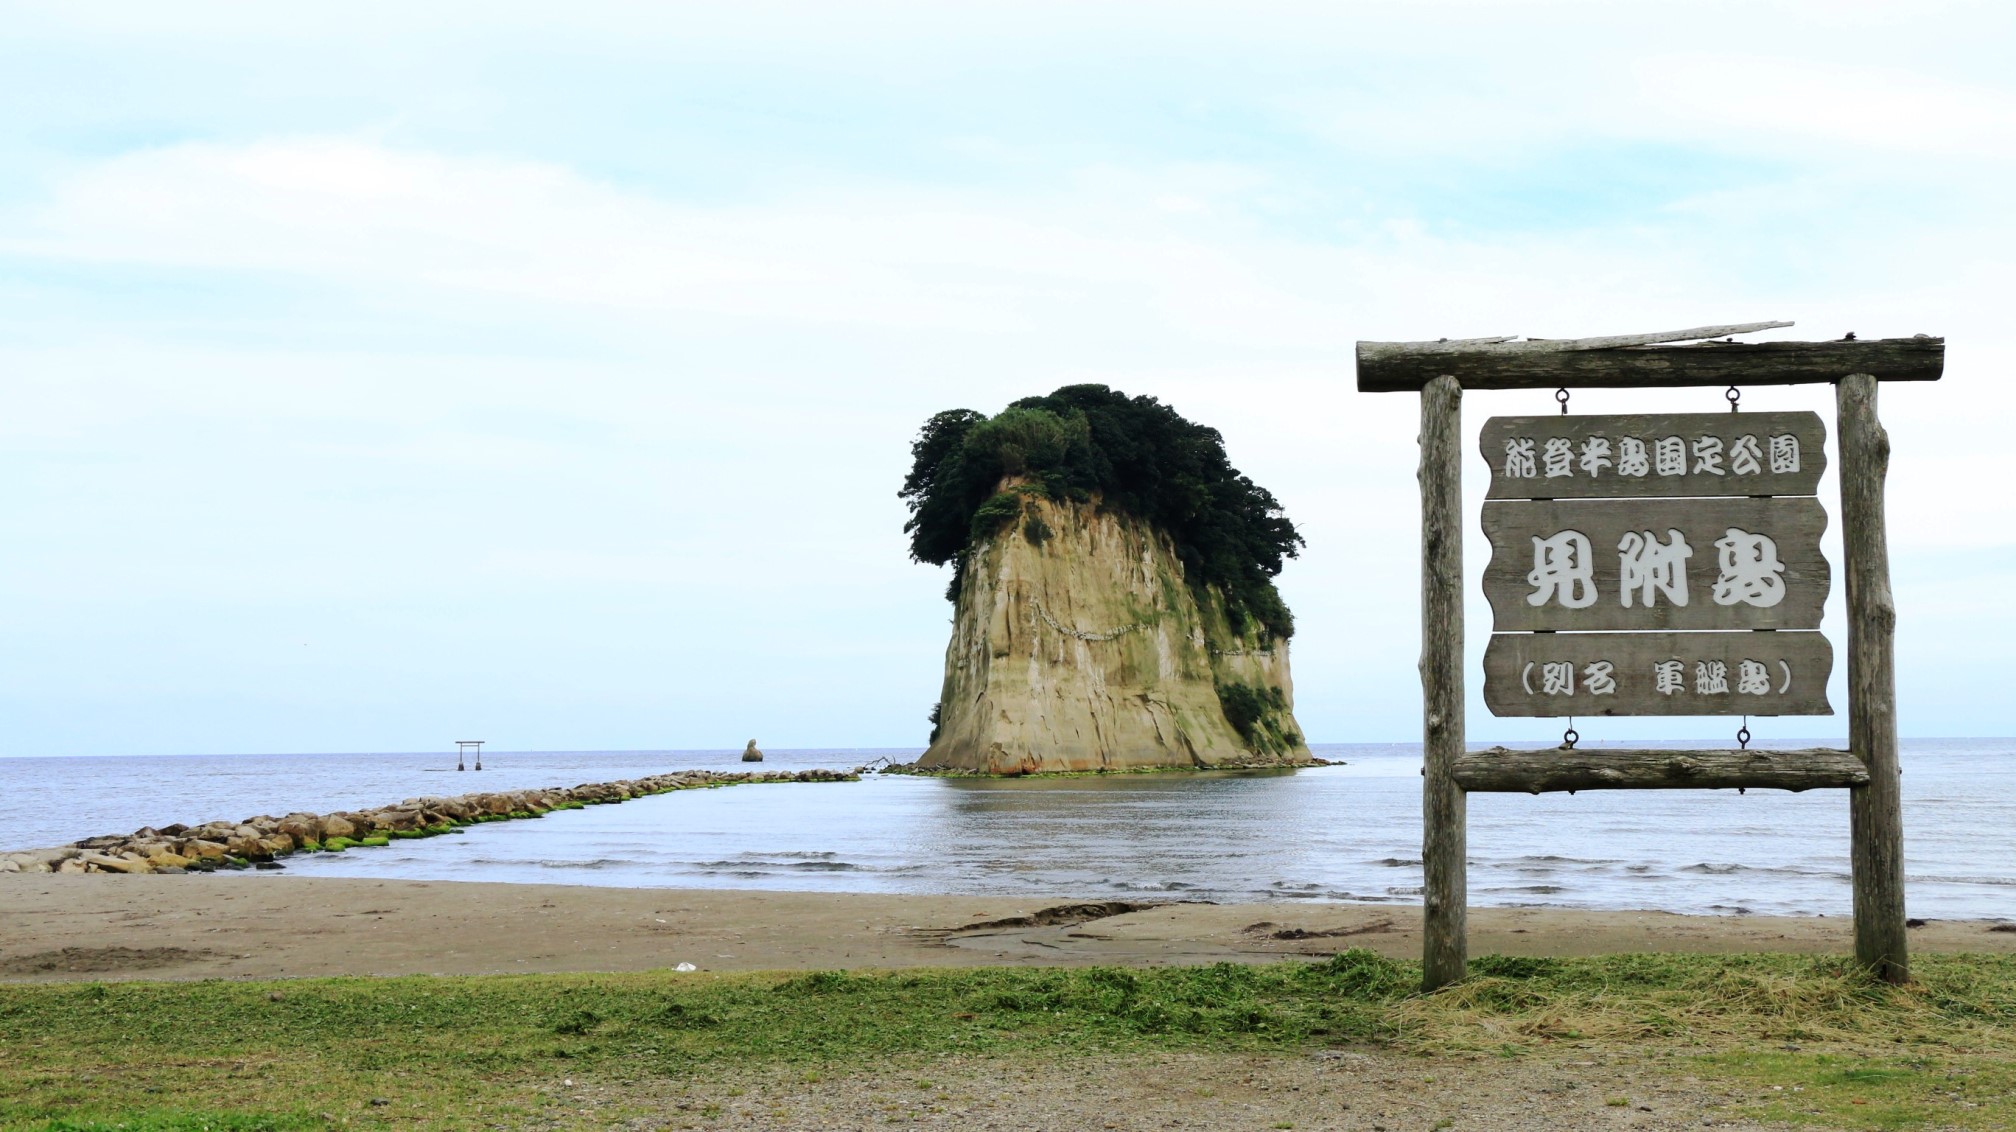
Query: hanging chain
{"type": "Point", "coordinates": [1734, 395]}
{"type": "Point", "coordinates": [1571, 736]}
{"type": "Point", "coordinates": [1561, 397]}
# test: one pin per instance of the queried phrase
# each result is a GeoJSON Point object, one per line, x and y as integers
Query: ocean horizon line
{"type": "Point", "coordinates": [1529, 744]}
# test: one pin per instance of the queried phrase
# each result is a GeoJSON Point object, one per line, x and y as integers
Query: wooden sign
{"type": "Point", "coordinates": [1641, 524]}
{"type": "Point", "coordinates": [1592, 674]}
{"type": "Point", "coordinates": [1656, 564]}
{"type": "Point", "coordinates": [1666, 454]}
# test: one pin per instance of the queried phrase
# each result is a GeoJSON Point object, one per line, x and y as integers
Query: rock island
{"type": "Point", "coordinates": [1113, 584]}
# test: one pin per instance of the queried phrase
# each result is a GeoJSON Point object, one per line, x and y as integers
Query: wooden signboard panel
{"type": "Point", "coordinates": [1618, 548]}
{"type": "Point", "coordinates": [1591, 674]}
{"type": "Point", "coordinates": [1660, 454]}
{"type": "Point", "coordinates": [1656, 564]}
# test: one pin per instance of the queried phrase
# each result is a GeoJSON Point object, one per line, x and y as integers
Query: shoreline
{"type": "Point", "coordinates": [72, 927]}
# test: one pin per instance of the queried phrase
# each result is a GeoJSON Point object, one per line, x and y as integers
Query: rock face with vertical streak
{"type": "Point", "coordinates": [1077, 645]}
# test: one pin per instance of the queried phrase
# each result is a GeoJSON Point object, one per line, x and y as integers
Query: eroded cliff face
{"type": "Point", "coordinates": [1077, 645]}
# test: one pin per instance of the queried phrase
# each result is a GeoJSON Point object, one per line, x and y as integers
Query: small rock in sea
{"type": "Point", "coordinates": [750, 754]}
{"type": "Point", "coordinates": [267, 865]}
{"type": "Point", "coordinates": [1914, 922]}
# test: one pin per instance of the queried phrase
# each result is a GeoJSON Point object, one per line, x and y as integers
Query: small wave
{"type": "Point", "coordinates": [1399, 862]}
{"type": "Point", "coordinates": [597, 863]}
{"type": "Point", "coordinates": [1535, 889]}
{"type": "Point", "coordinates": [1710, 868]}
{"type": "Point", "coordinates": [756, 866]}
{"type": "Point", "coordinates": [781, 858]}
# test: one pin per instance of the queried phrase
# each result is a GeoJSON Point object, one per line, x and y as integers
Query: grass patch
{"type": "Point", "coordinates": [1836, 1089]}
{"type": "Point", "coordinates": [431, 1052]}
{"type": "Point", "coordinates": [185, 1122]}
{"type": "Point", "coordinates": [1712, 1001]}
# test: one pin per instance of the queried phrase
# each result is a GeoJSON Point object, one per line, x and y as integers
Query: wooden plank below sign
{"type": "Point", "coordinates": [1581, 768]}
{"type": "Point", "coordinates": [1657, 454]}
{"type": "Point", "coordinates": [1591, 674]}
{"type": "Point", "coordinates": [1596, 565]}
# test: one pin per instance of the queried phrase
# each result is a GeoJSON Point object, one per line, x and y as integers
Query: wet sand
{"type": "Point", "coordinates": [264, 925]}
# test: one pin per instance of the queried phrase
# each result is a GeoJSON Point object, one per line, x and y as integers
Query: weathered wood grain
{"type": "Point", "coordinates": [1534, 772]}
{"type": "Point", "coordinates": [1513, 344]}
{"type": "Point", "coordinates": [1795, 524]}
{"type": "Point", "coordinates": [1444, 946]}
{"type": "Point", "coordinates": [1592, 674]}
{"type": "Point", "coordinates": [1609, 457]}
{"type": "Point", "coordinates": [1396, 367]}
{"type": "Point", "coordinates": [1875, 811]}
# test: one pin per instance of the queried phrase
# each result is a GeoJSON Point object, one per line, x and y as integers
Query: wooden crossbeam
{"type": "Point", "coordinates": [1644, 361]}
{"type": "Point", "coordinates": [1499, 770]}
{"type": "Point", "coordinates": [1512, 344]}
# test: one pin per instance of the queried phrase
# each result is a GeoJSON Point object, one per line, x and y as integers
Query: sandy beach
{"type": "Point", "coordinates": [55, 928]}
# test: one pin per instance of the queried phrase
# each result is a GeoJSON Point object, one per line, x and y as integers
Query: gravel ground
{"type": "Point", "coordinates": [1333, 1090]}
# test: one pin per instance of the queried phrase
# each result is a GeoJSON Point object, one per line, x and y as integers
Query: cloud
{"type": "Point", "coordinates": [634, 410]}
{"type": "Point", "coordinates": [365, 214]}
{"type": "Point", "coordinates": [1837, 113]}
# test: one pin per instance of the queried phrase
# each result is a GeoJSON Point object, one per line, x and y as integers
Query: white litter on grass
{"type": "Point", "coordinates": [685, 967]}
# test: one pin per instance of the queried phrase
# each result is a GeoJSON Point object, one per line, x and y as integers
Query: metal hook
{"type": "Point", "coordinates": [1734, 395]}
{"type": "Point", "coordinates": [1571, 736]}
{"type": "Point", "coordinates": [1743, 735]}
{"type": "Point", "coordinates": [1561, 398]}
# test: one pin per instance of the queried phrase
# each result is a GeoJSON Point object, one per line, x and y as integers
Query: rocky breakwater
{"type": "Point", "coordinates": [258, 841]}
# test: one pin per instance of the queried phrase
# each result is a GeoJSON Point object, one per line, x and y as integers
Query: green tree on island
{"type": "Point", "coordinates": [1087, 443]}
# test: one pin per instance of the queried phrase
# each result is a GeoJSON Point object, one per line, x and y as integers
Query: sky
{"type": "Point", "coordinates": [380, 375]}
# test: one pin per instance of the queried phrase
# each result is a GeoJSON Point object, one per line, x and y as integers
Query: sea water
{"type": "Point", "coordinates": [1347, 832]}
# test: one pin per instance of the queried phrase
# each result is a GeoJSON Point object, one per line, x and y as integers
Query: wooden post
{"type": "Point", "coordinates": [1444, 953]}
{"type": "Point", "coordinates": [1875, 813]}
